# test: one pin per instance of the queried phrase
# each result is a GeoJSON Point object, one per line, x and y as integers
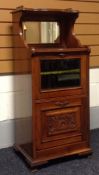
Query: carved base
{"type": "Point", "coordinates": [36, 162]}
{"type": "Point", "coordinates": [33, 163]}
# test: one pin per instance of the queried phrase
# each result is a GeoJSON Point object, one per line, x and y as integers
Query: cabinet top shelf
{"type": "Point", "coordinates": [46, 10]}
{"type": "Point", "coordinates": [60, 51]}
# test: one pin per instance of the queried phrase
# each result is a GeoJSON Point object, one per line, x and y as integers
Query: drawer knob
{"type": "Point", "coordinates": [62, 55]}
{"type": "Point", "coordinates": [62, 104]}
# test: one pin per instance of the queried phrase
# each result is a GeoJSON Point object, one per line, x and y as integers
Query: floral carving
{"type": "Point", "coordinates": [61, 123]}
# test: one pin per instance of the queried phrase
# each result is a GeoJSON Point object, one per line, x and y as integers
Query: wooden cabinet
{"type": "Point", "coordinates": [61, 104]}
{"type": "Point", "coordinates": [60, 86]}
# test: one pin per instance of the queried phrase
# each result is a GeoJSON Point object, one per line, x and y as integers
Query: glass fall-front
{"type": "Point", "coordinates": [60, 73]}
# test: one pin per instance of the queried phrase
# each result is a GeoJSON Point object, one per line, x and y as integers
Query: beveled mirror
{"type": "Point", "coordinates": [37, 32]}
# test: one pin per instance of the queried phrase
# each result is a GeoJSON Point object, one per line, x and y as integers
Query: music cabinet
{"type": "Point", "coordinates": [59, 66]}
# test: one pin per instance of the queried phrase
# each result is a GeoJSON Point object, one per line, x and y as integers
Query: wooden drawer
{"type": "Point", "coordinates": [58, 122]}
{"type": "Point", "coordinates": [54, 103]}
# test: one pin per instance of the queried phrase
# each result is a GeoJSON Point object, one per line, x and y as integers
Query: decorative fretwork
{"type": "Point", "coordinates": [61, 123]}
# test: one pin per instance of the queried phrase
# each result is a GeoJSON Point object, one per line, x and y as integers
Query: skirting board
{"type": "Point", "coordinates": [8, 129]}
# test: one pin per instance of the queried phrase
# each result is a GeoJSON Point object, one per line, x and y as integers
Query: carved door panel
{"type": "Point", "coordinates": [58, 126]}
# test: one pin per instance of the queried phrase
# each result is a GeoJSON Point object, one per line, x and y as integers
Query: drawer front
{"type": "Point", "coordinates": [58, 123]}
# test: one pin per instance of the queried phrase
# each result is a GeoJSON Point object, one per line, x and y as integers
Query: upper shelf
{"type": "Point", "coordinates": [52, 13]}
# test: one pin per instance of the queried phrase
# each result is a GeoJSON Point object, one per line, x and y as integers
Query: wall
{"type": "Point", "coordinates": [88, 19]}
{"type": "Point", "coordinates": [15, 103]}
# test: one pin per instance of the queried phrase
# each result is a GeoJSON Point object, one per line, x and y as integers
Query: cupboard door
{"type": "Point", "coordinates": [58, 126]}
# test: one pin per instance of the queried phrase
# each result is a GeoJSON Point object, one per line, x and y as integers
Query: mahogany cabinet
{"type": "Point", "coordinates": [59, 67]}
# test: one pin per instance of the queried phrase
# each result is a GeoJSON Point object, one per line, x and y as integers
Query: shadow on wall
{"type": "Point", "coordinates": [23, 108]}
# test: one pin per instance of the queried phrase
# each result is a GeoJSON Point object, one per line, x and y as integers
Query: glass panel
{"type": "Point", "coordinates": [60, 73]}
{"type": "Point", "coordinates": [37, 32]}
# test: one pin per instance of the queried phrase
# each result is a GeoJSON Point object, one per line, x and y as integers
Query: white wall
{"type": "Point", "coordinates": [94, 98]}
{"type": "Point", "coordinates": [15, 97]}
{"type": "Point", "coordinates": [94, 87]}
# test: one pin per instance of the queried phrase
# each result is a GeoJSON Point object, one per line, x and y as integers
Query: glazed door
{"type": "Point", "coordinates": [60, 73]}
{"type": "Point", "coordinates": [55, 76]}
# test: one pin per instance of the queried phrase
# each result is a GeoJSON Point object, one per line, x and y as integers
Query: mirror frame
{"type": "Point", "coordinates": [64, 17]}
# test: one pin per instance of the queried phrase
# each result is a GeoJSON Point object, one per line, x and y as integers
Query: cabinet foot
{"type": "Point", "coordinates": [85, 153]}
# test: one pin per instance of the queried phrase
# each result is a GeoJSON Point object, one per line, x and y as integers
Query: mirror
{"type": "Point", "coordinates": [37, 32]}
